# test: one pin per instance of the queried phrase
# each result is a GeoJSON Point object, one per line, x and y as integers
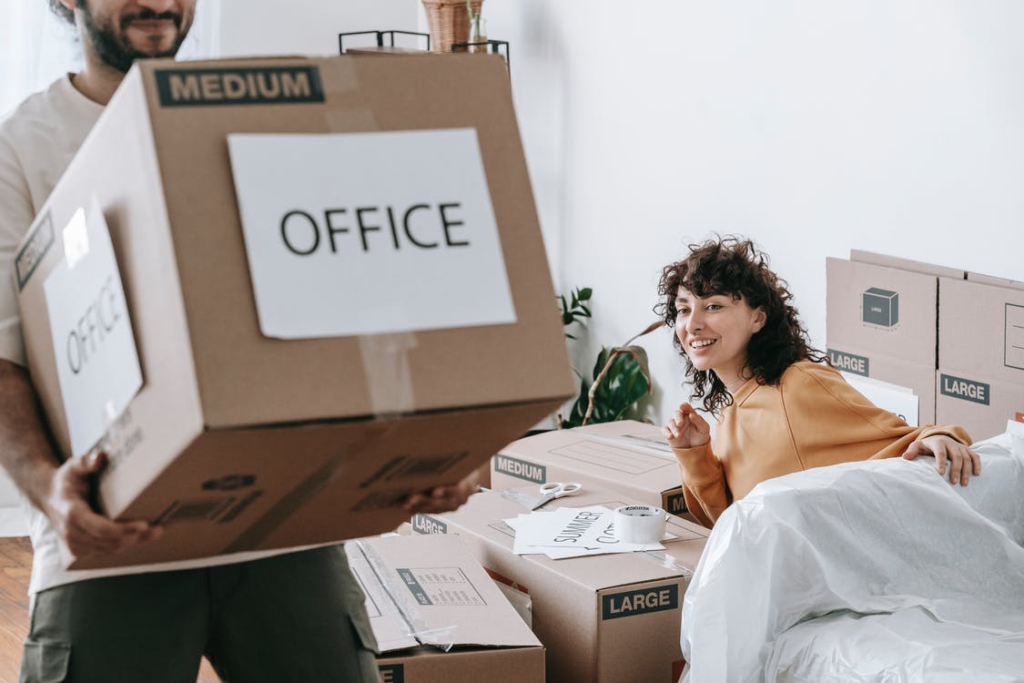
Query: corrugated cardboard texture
{"type": "Point", "coordinates": [449, 368]}
{"type": "Point", "coordinates": [516, 665]}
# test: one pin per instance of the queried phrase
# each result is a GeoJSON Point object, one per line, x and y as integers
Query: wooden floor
{"type": "Point", "coordinates": [15, 567]}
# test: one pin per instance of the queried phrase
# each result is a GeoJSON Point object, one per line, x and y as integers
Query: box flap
{"type": "Point", "coordinates": [430, 590]}
{"type": "Point", "coordinates": [904, 264]}
{"type": "Point", "coordinates": [617, 455]}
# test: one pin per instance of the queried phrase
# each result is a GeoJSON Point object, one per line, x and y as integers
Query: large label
{"type": "Point", "coordinates": [858, 365]}
{"type": "Point", "coordinates": [240, 85]}
{"type": "Point", "coordinates": [520, 469]}
{"type": "Point", "coordinates": [965, 389]}
{"type": "Point", "coordinates": [645, 601]}
{"type": "Point", "coordinates": [427, 525]}
{"type": "Point", "coordinates": [97, 362]}
{"type": "Point", "coordinates": [369, 233]}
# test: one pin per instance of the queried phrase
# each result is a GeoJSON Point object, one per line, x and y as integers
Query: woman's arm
{"type": "Point", "coordinates": [704, 485]}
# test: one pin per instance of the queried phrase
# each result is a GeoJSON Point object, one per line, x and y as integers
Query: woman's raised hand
{"type": "Point", "coordinates": [686, 429]}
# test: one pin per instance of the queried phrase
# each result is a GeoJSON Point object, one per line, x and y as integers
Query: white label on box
{"type": "Point", "coordinates": [897, 399]}
{"type": "Point", "coordinates": [369, 233]}
{"type": "Point", "coordinates": [97, 362]}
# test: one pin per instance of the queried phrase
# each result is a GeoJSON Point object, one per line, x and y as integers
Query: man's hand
{"type": "Point", "coordinates": [83, 530]}
{"type": "Point", "coordinates": [687, 429]}
{"type": "Point", "coordinates": [962, 460]}
{"type": "Point", "coordinates": [444, 498]}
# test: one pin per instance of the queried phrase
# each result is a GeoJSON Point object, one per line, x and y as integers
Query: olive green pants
{"type": "Point", "coordinates": [293, 618]}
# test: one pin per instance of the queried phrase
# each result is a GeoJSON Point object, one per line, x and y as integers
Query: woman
{"type": "Point", "coordinates": [780, 408]}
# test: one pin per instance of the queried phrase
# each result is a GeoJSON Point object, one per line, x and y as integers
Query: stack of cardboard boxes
{"type": "Point", "coordinates": [606, 618]}
{"type": "Point", "coordinates": [955, 339]}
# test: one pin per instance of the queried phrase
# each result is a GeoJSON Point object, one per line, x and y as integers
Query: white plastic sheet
{"type": "Point", "coordinates": [865, 572]}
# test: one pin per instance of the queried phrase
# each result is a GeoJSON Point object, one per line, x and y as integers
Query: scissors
{"type": "Point", "coordinates": [556, 489]}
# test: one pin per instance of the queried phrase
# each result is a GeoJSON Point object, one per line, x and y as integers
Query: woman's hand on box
{"type": "Point", "coordinates": [687, 429]}
{"type": "Point", "coordinates": [963, 462]}
{"type": "Point", "coordinates": [82, 529]}
{"type": "Point", "coordinates": [444, 498]}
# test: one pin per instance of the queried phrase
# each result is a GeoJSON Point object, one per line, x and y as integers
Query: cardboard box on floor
{"type": "Point", "coordinates": [629, 457]}
{"type": "Point", "coordinates": [881, 320]}
{"type": "Point", "coordinates": [603, 619]}
{"type": "Point", "coordinates": [425, 595]}
{"type": "Point", "coordinates": [981, 353]}
{"type": "Point", "coordinates": [246, 437]}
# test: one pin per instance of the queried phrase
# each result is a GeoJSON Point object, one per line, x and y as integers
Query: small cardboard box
{"type": "Point", "coordinates": [981, 348]}
{"type": "Point", "coordinates": [629, 457]}
{"type": "Point", "coordinates": [437, 616]}
{"type": "Point", "coordinates": [603, 619]}
{"type": "Point", "coordinates": [255, 426]}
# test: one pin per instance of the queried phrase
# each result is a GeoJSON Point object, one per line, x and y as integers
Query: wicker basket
{"type": "Point", "coordinates": [449, 22]}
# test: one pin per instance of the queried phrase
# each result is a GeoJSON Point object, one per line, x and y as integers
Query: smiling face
{"type": "Point", "coordinates": [118, 32]}
{"type": "Point", "coordinates": [714, 332]}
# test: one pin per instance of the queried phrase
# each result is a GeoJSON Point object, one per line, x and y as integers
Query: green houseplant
{"type": "Point", "coordinates": [621, 378]}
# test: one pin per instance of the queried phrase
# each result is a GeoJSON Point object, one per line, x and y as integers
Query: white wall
{"type": "Point", "coordinates": [305, 27]}
{"type": "Point", "coordinates": [812, 127]}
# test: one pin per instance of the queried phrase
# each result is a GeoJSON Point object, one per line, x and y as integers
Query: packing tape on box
{"type": "Point", "coordinates": [640, 523]}
{"type": "Point", "coordinates": [346, 112]}
{"type": "Point", "coordinates": [400, 597]}
{"type": "Point", "coordinates": [388, 372]}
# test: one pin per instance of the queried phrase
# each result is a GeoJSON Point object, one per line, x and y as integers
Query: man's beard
{"type": "Point", "coordinates": [114, 49]}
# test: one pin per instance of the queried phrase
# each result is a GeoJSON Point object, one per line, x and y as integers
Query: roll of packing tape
{"type": "Point", "coordinates": [640, 523]}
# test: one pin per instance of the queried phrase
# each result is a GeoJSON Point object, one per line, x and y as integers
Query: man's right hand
{"type": "Point", "coordinates": [82, 529]}
{"type": "Point", "coordinates": [687, 429]}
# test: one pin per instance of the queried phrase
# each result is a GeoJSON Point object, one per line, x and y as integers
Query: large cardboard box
{"type": "Point", "coordinates": [603, 619]}
{"type": "Point", "coordinates": [981, 352]}
{"type": "Point", "coordinates": [882, 321]}
{"type": "Point", "coordinates": [437, 616]}
{"type": "Point", "coordinates": [304, 317]}
{"type": "Point", "coordinates": [629, 457]}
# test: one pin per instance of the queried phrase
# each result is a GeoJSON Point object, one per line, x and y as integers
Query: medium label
{"type": "Point", "coordinates": [632, 603]}
{"type": "Point", "coordinates": [520, 469]}
{"type": "Point", "coordinates": [262, 85]}
{"type": "Point", "coordinates": [965, 389]}
{"type": "Point", "coordinates": [849, 362]}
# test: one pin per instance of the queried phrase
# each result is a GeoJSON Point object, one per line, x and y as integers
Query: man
{"type": "Point", "coordinates": [293, 615]}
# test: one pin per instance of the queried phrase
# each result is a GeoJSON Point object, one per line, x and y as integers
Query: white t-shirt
{"type": "Point", "coordinates": [37, 142]}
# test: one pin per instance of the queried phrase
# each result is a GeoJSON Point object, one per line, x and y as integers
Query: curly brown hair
{"type": "Point", "coordinates": [737, 267]}
{"type": "Point", "coordinates": [63, 12]}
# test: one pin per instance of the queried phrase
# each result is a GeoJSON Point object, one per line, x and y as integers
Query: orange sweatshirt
{"type": "Point", "coordinates": [812, 418]}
